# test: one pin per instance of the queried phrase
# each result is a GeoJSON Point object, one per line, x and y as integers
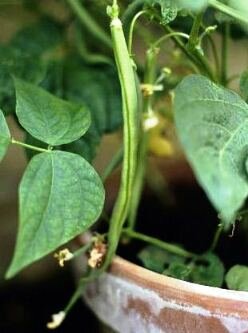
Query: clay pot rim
{"type": "Point", "coordinates": [123, 267]}
{"type": "Point", "coordinates": [212, 299]}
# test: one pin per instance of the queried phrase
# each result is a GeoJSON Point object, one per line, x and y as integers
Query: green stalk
{"type": "Point", "coordinates": [131, 30]}
{"type": "Point", "coordinates": [224, 54]}
{"type": "Point", "coordinates": [131, 132]}
{"type": "Point", "coordinates": [196, 58]}
{"type": "Point", "coordinates": [113, 164]}
{"type": "Point", "coordinates": [89, 23]}
{"type": "Point", "coordinates": [162, 245]}
{"type": "Point", "coordinates": [216, 238]}
{"type": "Point", "coordinates": [25, 145]}
{"type": "Point", "coordinates": [194, 33]}
{"type": "Point", "coordinates": [130, 12]}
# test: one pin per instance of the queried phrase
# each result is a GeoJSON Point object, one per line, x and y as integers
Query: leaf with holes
{"type": "Point", "coordinates": [212, 125]}
{"type": "Point", "coordinates": [49, 118]}
{"type": "Point", "coordinates": [4, 136]}
{"type": "Point", "coordinates": [61, 196]}
{"type": "Point", "coordinates": [168, 9]}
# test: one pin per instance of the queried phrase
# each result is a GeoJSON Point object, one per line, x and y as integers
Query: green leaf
{"type": "Point", "coordinates": [237, 278]}
{"type": "Point", "coordinates": [61, 196]}
{"type": "Point", "coordinates": [4, 136]}
{"type": "Point", "coordinates": [195, 5]}
{"type": "Point", "coordinates": [98, 88]}
{"type": "Point", "coordinates": [168, 9]}
{"type": "Point", "coordinates": [39, 37]}
{"type": "Point", "coordinates": [157, 259]}
{"type": "Point", "coordinates": [178, 270]}
{"type": "Point", "coordinates": [85, 146]}
{"type": "Point", "coordinates": [244, 85]}
{"type": "Point", "coordinates": [14, 62]}
{"type": "Point", "coordinates": [49, 118]}
{"type": "Point", "coordinates": [209, 271]}
{"type": "Point", "coordinates": [212, 125]}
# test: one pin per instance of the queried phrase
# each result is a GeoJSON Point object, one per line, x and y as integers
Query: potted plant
{"type": "Point", "coordinates": [68, 97]}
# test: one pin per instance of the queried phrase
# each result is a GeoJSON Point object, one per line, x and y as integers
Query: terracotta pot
{"type": "Point", "coordinates": [132, 299]}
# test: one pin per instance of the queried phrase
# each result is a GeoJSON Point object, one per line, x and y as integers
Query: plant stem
{"type": "Point", "coordinates": [228, 10]}
{"type": "Point", "coordinates": [131, 133]}
{"type": "Point", "coordinates": [25, 145]}
{"type": "Point", "coordinates": [215, 55]}
{"type": "Point", "coordinates": [82, 250]}
{"type": "Point", "coordinates": [168, 36]}
{"type": "Point", "coordinates": [89, 23]}
{"type": "Point", "coordinates": [130, 12]}
{"type": "Point", "coordinates": [217, 234]}
{"type": "Point", "coordinates": [163, 245]}
{"type": "Point", "coordinates": [224, 53]}
{"type": "Point", "coordinates": [113, 164]}
{"type": "Point", "coordinates": [197, 58]}
{"type": "Point", "coordinates": [149, 78]}
{"type": "Point", "coordinates": [130, 35]}
{"type": "Point", "coordinates": [194, 33]}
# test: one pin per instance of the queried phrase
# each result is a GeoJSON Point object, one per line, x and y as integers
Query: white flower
{"type": "Point", "coordinates": [62, 256]}
{"type": "Point", "coordinates": [57, 319]}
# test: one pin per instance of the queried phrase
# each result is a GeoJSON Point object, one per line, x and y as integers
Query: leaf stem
{"type": "Point", "coordinates": [113, 164]}
{"type": "Point", "coordinates": [224, 53]}
{"type": "Point", "coordinates": [161, 244]}
{"type": "Point", "coordinates": [197, 58]}
{"type": "Point", "coordinates": [25, 145]}
{"type": "Point", "coordinates": [216, 238]}
{"type": "Point", "coordinates": [228, 10]}
{"type": "Point", "coordinates": [168, 36]}
{"type": "Point", "coordinates": [194, 33]}
{"type": "Point", "coordinates": [89, 23]}
{"type": "Point", "coordinates": [131, 30]}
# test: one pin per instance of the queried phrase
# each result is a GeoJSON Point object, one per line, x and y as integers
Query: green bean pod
{"type": "Point", "coordinates": [130, 132]}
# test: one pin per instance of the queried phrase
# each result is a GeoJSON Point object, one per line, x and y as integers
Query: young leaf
{"type": "Point", "coordinates": [244, 85]}
{"type": "Point", "coordinates": [178, 270]}
{"type": "Point", "coordinates": [4, 136]}
{"type": "Point", "coordinates": [157, 259]}
{"type": "Point", "coordinates": [237, 278]}
{"type": "Point", "coordinates": [212, 124]}
{"type": "Point", "coordinates": [168, 9]}
{"type": "Point", "coordinates": [49, 118]}
{"type": "Point", "coordinates": [209, 271]}
{"type": "Point", "coordinates": [61, 196]}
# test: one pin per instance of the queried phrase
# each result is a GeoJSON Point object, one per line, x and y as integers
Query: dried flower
{"type": "Point", "coordinates": [97, 254]}
{"type": "Point", "coordinates": [57, 319]}
{"type": "Point", "coordinates": [62, 256]}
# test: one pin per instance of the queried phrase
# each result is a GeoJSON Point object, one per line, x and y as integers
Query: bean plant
{"type": "Point", "coordinates": [69, 82]}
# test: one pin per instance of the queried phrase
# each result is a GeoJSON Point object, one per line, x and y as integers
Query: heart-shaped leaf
{"type": "Point", "coordinates": [49, 118]}
{"type": "Point", "coordinates": [237, 278]}
{"type": "Point", "coordinates": [61, 196]}
{"type": "Point", "coordinates": [212, 124]}
{"type": "Point", "coordinates": [4, 136]}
